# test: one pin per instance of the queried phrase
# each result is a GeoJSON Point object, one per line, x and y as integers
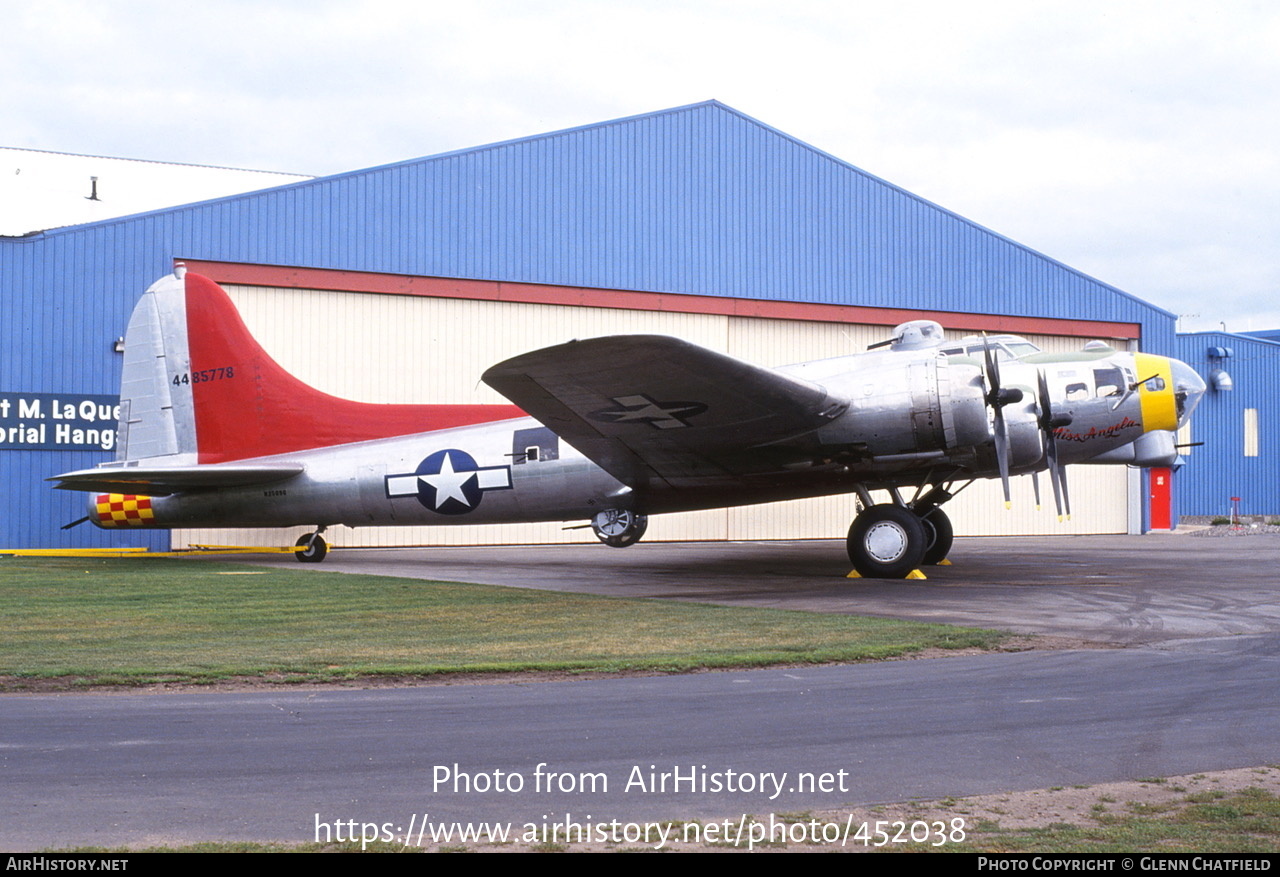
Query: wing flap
{"type": "Point", "coordinates": [653, 410]}
{"type": "Point", "coordinates": [166, 480]}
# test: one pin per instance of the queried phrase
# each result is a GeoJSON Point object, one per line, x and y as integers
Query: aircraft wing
{"type": "Point", "coordinates": [165, 480]}
{"type": "Point", "coordinates": [655, 411]}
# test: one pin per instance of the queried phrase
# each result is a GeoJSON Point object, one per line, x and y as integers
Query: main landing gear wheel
{"type": "Point", "coordinates": [313, 547]}
{"type": "Point", "coordinates": [938, 536]}
{"type": "Point", "coordinates": [619, 528]}
{"type": "Point", "coordinates": [886, 542]}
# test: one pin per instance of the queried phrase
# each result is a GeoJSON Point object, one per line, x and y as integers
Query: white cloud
{"type": "Point", "coordinates": [1134, 140]}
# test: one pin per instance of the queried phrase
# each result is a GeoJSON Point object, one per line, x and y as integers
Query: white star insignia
{"type": "Point", "coordinates": [448, 483]}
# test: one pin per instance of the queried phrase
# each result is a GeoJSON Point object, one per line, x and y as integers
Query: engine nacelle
{"type": "Point", "coordinates": [910, 405]}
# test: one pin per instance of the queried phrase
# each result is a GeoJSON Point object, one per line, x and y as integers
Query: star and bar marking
{"type": "Point", "coordinates": [449, 482]}
{"type": "Point", "coordinates": [645, 409]}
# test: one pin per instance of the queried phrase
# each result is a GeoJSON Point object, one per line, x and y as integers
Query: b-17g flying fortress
{"type": "Point", "coordinates": [214, 433]}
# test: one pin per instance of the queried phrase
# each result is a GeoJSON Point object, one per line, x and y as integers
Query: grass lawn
{"type": "Point", "coordinates": [139, 620]}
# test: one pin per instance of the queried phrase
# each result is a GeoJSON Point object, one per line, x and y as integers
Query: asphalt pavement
{"type": "Point", "coordinates": [1193, 687]}
{"type": "Point", "coordinates": [1114, 589]}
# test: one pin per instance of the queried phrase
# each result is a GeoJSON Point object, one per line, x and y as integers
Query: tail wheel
{"type": "Point", "coordinates": [313, 548]}
{"type": "Point", "coordinates": [619, 528]}
{"type": "Point", "coordinates": [886, 542]}
{"type": "Point", "coordinates": [938, 534]}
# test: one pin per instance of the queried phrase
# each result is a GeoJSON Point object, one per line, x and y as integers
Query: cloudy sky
{"type": "Point", "coordinates": [1136, 141]}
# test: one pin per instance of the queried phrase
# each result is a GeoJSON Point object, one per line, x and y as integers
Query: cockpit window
{"type": "Point", "coordinates": [1003, 347]}
{"type": "Point", "coordinates": [1022, 348]}
{"type": "Point", "coordinates": [1109, 381]}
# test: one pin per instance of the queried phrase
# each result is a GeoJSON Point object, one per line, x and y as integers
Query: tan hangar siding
{"type": "Point", "coordinates": [399, 348]}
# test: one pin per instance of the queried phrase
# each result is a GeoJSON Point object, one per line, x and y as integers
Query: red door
{"type": "Point", "coordinates": [1161, 509]}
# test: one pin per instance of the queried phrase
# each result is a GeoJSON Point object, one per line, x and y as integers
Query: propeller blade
{"type": "Point", "coordinates": [998, 398]}
{"type": "Point", "coordinates": [992, 370]}
{"type": "Point", "coordinates": [1055, 476]}
{"type": "Point", "coordinates": [1048, 424]}
{"type": "Point", "coordinates": [1002, 455]}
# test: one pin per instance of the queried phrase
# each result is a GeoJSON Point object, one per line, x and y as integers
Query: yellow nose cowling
{"type": "Point", "coordinates": [1155, 393]}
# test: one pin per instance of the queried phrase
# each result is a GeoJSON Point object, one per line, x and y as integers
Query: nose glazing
{"type": "Point", "coordinates": [1188, 388]}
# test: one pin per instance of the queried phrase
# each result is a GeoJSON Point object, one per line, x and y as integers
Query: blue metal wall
{"type": "Point", "coordinates": [699, 199]}
{"type": "Point", "coordinates": [1219, 470]}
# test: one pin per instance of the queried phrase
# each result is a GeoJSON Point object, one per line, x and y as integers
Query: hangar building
{"type": "Point", "coordinates": [1232, 453]}
{"type": "Point", "coordinates": [401, 283]}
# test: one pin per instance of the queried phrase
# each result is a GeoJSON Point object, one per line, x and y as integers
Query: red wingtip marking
{"type": "Point", "coordinates": [247, 405]}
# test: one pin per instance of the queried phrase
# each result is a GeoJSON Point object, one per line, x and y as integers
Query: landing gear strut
{"type": "Point", "coordinates": [313, 547]}
{"type": "Point", "coordinates": [619, 528]}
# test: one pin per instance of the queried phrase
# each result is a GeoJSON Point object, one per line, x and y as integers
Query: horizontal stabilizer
{"type": "Point", "coordinates": [162, 480]}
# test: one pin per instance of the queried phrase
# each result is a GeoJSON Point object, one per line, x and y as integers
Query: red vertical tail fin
{"type": "Point", "coordinates": [224, 398]}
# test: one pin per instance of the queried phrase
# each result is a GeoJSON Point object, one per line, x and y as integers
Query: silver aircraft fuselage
{"type": "Point", "coordinates": [908, 417]}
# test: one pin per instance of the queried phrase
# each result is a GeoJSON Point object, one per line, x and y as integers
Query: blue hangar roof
{"type": "Point", "coordinates": [700, 199]}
